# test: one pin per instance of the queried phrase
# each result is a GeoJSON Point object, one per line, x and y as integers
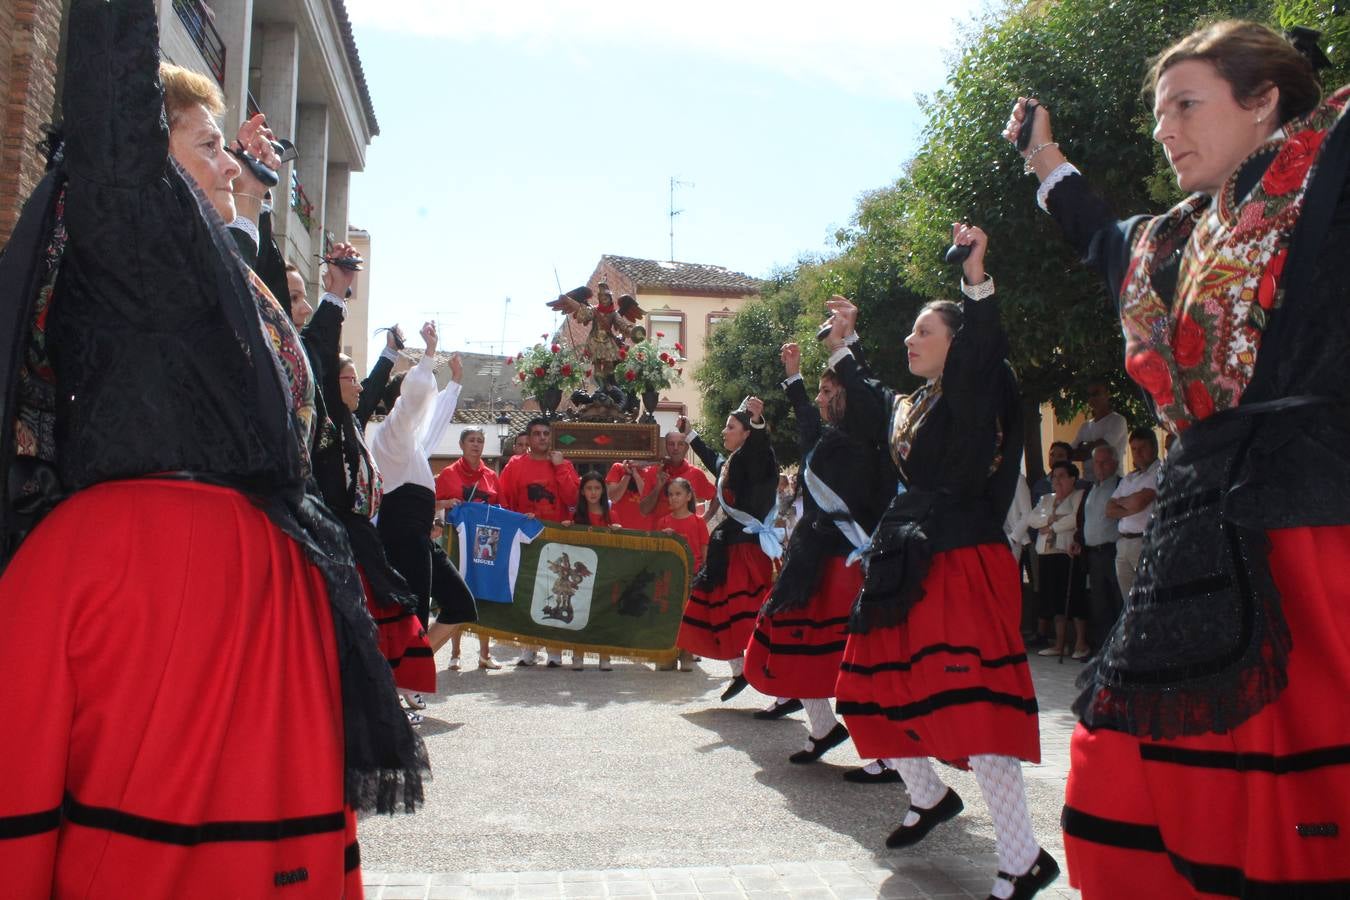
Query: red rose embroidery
{"type": "Point", "coordinates": [1291, 165]}
{"type": "Point", "coordinates": [1151, 373]}
{"type": "Point", "coordinates": [1188, 342]}
{"type": "Point", "coordinates": [1198, 400]}
{"type": "Point", "coordinates": [1270, 280]}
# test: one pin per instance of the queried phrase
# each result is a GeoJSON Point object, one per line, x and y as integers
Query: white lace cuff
{"type": "Point", "coordinates": [1061, 171]}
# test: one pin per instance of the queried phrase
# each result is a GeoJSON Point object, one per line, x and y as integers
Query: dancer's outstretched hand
{"type": "Point", "coordinates": [791, 355]}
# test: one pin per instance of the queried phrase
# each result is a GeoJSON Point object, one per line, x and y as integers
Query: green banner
{"type": "Point", "coordinates": [600, 589]}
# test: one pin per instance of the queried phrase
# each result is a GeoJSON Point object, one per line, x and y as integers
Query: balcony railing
{"type": "Point", "coordinates": [301, 203]}
{"type": "Point", "coordinates": [198, 23]}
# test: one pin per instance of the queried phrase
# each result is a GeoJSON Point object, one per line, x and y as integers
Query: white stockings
{"type": "Point", "coordinates": [820, 716]}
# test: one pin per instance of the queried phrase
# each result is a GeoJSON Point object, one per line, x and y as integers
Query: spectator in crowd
{"type": "Point", "coordinates": [468, 480]}
{"type": "Point", "coordinates": [1132, 504]}
{"type": "Point", "coordinates": [295, 289]}
{"type": "Point", "coordinates": [594, 510]}
{"type": "Point", "coordinates": [539, 483]}
{"type": "Point", "coordinates": [1097, 537]}
{"type": "Point", "coordinates": [682, 518]}
{"type": "Point", "coordinates": [674, 465]}
{"type": "Point", "coordinates": [520, 444]}
{"type": "Point", "coordinates": [629, 487]}
{"type": "Point", "coordinates": [1055, 519]}
{"type": "Point", "coordinates": [1102, 426]}
{"type": "Point", "coordinates": [1060, 451]}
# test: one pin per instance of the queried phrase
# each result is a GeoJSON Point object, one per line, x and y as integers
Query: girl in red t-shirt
{"type": "Point", "coordinates": [592, 509]}
{"type": "Point", "coordinates": [683, 519]}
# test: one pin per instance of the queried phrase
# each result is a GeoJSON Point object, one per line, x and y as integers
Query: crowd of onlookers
{"type": "Point", "coordinates": [1079, 530]}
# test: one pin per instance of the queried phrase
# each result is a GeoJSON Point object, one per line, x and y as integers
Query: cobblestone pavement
{"type": "Point", "coordinates": [636, 783]}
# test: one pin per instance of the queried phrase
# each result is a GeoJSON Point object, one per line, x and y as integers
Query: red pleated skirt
{"type": "Point", "coordinates": [403, 642]}
{"type": "Point", "coordinates": [172, 705]}
{"type": "Point", "coordinates": [1263, 811]}
{"type": "Point", "coordinates": [797, 653]}
{"type": "Point", "coordinates": [951, 681]}
{"type": "Point", "coordinates": [718, 624]}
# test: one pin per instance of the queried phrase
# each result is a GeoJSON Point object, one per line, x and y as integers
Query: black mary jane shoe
{"type": "Point", "coordinates": [820, 746]}
{"type": "Point", "coordinates": [1043, 871]}
{"type": "Point", "coordinates": [778, 710]}
{"type": "Point", "coordinates": [860, 775]}
{"type": "Point", "coordinates": [908, 835]}
{"type": "Point", "coordinates": [737, 685]}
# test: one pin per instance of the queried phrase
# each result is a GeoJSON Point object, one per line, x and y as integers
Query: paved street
{"type": "Point", "coordinates": [554, 783]}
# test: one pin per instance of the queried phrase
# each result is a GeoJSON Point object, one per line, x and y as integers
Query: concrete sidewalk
{"type": "Point", "coordinates": [554, 783]}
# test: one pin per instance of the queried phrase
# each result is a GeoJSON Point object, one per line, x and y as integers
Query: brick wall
{"type": "Point", "coordinates": [30, 35]}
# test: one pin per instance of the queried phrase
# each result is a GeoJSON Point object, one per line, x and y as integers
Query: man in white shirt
{"type": "Point", "coordinates": [1103, 426]}
{"type": "Point", "coordinates": [1098, 536]}
{"type": "Point", "coordinates": [1131, 505]}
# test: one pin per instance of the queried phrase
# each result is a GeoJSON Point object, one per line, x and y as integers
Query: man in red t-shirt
{"type": "Point", "coordinates": [676, 465]}
{"type": "Point", "coordinates": [540, 482]}
{"type": "Point", "coordinates": [630, 486]}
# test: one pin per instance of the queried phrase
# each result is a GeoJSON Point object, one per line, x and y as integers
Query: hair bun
{"type": "Point", "coordinates": [1305, 41]}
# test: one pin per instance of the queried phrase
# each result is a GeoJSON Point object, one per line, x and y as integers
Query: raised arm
{"type": "Point", "coordinates": [808, 417]}
{"type": "Point", "coordinates": [869, 402]}
{"type": "Point", "coordinates": [1091, 228]}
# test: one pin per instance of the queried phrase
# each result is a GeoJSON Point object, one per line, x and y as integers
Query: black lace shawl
{"type": "Point", "coordinates": [961, 471]}
{"type": "Point", "coordinates": [752, 482]}
{"type": "Point", "coordinates": [158, 350]}
{"type": "Point", "coordinates": [858, 471]}
{"type": "Point", "coordinates": [1202, 644]}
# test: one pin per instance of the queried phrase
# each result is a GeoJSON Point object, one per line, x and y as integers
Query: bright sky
{"type": "Point", "coordinates": [521, 137]}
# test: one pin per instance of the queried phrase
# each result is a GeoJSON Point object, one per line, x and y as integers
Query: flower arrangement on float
{"type": "Point", "coordinates": [646, 367]}
{"type": "Point", "coordinates": [548, 367]}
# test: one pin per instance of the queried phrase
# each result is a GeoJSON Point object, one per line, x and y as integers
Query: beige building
{"type": "Point", "coordinates": [684, 302]}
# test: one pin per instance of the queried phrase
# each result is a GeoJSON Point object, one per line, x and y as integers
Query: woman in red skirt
{"type": "Point", "coordinates": [194, 698]}
{"type": "Point", "coordinates": [1213, 755]}
{"type": "Point", "coordinates": [935, 665]}
{"type": "Point", "coordinates": [738, 570]}
{"type": "Point", "coordinates": [799, 637]}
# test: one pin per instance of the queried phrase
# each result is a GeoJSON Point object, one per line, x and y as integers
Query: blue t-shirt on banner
{"type": "Point", "coordinates": [490, 538]}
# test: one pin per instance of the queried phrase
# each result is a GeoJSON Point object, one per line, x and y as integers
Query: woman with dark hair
{"type": "Point", "coordinates": [935, 665]}
{"type": "Point", "coordinates": [1062, 593]}
{"type": "Point", "coordinates": [468, 480]}
{"type": "Point", "coordinates": [799, 637]}
{"type": "Point", "coordinates": [1210, 758]}
{"type": "Point", "coordinates": [163, 393]}
{"type": "Point", "coordinates": [592, 509]}
{"type": "Point", "coordinates": [738, 570]}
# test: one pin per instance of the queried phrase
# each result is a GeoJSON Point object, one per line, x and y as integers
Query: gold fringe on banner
{"type": "Point", "coordinates": [661, 657]}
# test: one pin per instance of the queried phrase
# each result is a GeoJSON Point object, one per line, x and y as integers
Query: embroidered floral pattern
{"type": "Point", "coordinates": [1228, 285]}
{"type": "Point", "coordinates": [294, 365]}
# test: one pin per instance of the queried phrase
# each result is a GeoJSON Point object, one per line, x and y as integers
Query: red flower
{"type": "Point", "coordinates": [630, 375]}
{"type": "Point", "coordinates": [1198, 399]}
{"type": "Point", "coordinates": [1150, 371]}
{"type": "Point", "coordinates": [623, 353]}
{"type": "Point", "coordinates": [540, 371]}
{"type": "Point", "coordinates": [642, 357]}
{"type": "Point", "coordinates": [555, 348]}
{"type": "Point", "coordinates": [1270, 280]}
{"type": "Point", "coordinates": [566, 370]}
{"type": "Point", "coordinates": [520, 376]}
{"type": "Point", "coordinates": [510, 359]}
{"type": "Point", "coordinates": [670, 362]}
{"type": "Point", "coordinates": [1188, 342]}
{"type": "Point", "coordinates": [1292, 163]}
{"type": "Point", "coordinates": [588, 373]}
{"type": "Point", "coordinates": [660, 334]}
{"type": "Point", "coordinates": [679, 348]}
{"type": "Point", "coordinates": [664, 357]}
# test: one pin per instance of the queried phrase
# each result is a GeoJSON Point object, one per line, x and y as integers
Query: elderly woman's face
{"type": "Point", "coordinates": [196, 142]}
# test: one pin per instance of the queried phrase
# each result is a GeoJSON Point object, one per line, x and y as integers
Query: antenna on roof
{"type": "Point", "coordinates": [674, 183]}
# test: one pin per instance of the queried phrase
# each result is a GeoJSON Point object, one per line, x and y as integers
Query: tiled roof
{"type": "Point", "coordinates": [648, 274]}
{"type": "Point", "coordinates": [518, 418]}
{"type": "Point", "coordinates": [354, 58]}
